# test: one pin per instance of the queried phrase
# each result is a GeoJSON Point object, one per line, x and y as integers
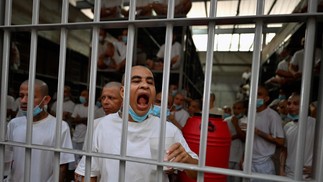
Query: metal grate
{"type": "Point", "coordinates": [259, 19]}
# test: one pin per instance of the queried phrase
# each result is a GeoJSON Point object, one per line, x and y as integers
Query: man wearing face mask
{"type": "Point", "coordinates": [142, 137]}
{"type": "Point", "coordinates": [79, 119]}
{"type": "Point", "coordinates": [237, 137]}
{"type": "Point", "coordinates": [178, 114]}
{"type": "Point", "coordinates": [268, 134]}
{"type": "Point", "coordinates": [288, 154]}
{"type": "Point", "coordinates": [68, 105]}
{"type": "Point", "coordinates": [43, 130]}
{"type": "Point", "coordinates": [120, 50]}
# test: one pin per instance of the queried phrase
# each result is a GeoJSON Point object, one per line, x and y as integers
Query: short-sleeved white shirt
{"type": "Point", "coordinates": [11, 104]}
{"type": "Point", "coordinates": [99, 113]}
{"type": "Point", "coordinates": [68, 106]}
{"type": "Point", "coordinates": [120, 51]}
{"type": "Point", "coordinates": [237, 146]}
{"type": "Point", "coordinates": [291, 131]}
{"type": "Point", "coordinates": [142, 142]}
{"type": "Point", "coordinates": [298, 58]}
{"type": "Point", "coordinates": [43, 133]}
{"type": "Point", "coordinates": [181, 116]}
{"type": "Point", "coordinates": [267, 121]}
{"type": "Point", "coordinates": [80, 129]}
{"type": "Point", "coordinates": [283, 65]}
{"type": "Point", "coordinates": [176, 50]}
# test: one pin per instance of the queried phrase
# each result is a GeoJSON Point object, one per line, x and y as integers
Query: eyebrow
{"type": "Point", "coordinates": [140, 77]}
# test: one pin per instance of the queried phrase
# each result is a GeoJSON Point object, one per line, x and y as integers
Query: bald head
{"type": "Point", "coordinates": [112, 84]}
{"type": "Point", "coordinates": [40, 84]}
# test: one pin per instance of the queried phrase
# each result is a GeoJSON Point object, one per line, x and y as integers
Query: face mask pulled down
{"type": "Point", "coordinates": [136, 117]}
{"type": "Point", "coordinates": [36, 109]}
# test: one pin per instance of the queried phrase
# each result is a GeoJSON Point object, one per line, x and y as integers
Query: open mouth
{"type": "Point", "coordinates": [142, 101]}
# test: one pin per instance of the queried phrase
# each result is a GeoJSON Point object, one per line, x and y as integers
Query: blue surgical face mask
{"type": "Point", "coordinates": [82, 100]}
{"type": "Point", "coordinates": [36, 109]}
{"type": "Point", "coordinates": [124, 39]}
{"type": "Point", "coordinates": [177, 107]}
{"type": "Point", "coordinates": [137, 118]}
{"type": "Point", "coordinates": [293, 117]}
{"type": "Point", "coordinates": [156, 111]}
{"type": "Point", "coordinates": [281, 97]}
{"type": "Point", "coordinates": [260, 102]}
{"type": "Point", "coordinates": [239, 115]}
{"type": "Point", "coordinates": [226, 115]}
{"type": "Point", "coordinates": [174, 92]}
{"type": "Point", "coordinates": [98, 104]}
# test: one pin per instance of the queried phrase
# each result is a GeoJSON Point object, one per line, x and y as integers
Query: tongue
{"type": "Point", "coordinates": [142, 101]}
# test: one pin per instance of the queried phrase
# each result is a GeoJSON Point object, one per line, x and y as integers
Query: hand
{"type": "Point", "coordinates": [282, 172]}
{"type": "Point", "coordinates": [234, 120]}
{"type": "Point", "coordinates": [307, 170]}
{"type": "Point", "coordinates": [171, 117]}
{"type": "Point", "coordinates": [177, 153]}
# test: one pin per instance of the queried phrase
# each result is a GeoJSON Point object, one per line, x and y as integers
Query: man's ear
{"type": "Point", "coordinates": [47, 99]}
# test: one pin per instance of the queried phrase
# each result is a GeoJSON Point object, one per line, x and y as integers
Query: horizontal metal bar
{"type": "Point", "coordinates": [209, 169]}
{"type": "Point", "coordinates": [285, 18]}
{"type": "Point", "coordinates": [235, 30]}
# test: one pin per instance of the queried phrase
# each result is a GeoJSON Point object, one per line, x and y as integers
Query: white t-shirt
{"type": "Point", "coordinates": [80, 129]}
{"type": "Point", "coordinates": [291, 131]}
{"type": "Point", "coordinates": [11, 104]}
{"type": "Point", "coordinates": [181, 116]}
{"type": "Point", "coordinates": [298, 58]}
{"type": "Point", "coordinates": [142, 141]}
{"type": "Point", "coordinates": [99, 113]}
{"type": "Point", "coordinates": [267, 121]}
{"type": "Point", "coordinates": [237, 146]}
{"type": "Point", "coordinates": [43, 132]}
{"type": "Point", "coordinates": [216, 110]}
{"type": "Point", "coordinates": [120, 51]}
{"type": "Point", "coordinates": [283, 65]}
{"type": "Point", "coordinates": [68, 106]}
{"type": "Point", "coordinates": [176, 50]}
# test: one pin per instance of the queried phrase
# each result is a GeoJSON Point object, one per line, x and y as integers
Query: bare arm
{"type": "Point", "coordinates": [172, 119]}
{"type": "Point", "coordinates": [240, 134]}
{"type": "Point", "coordinates": [62, 172]}
{"type": "Point", "coordinates": [284, 73]}
{"type": "Point", "coordinates": [278, 141]}
{"type": "Point", "coordinates": [177, 153]}
{"type": "Point", "coordinates": [294, 70]}
{"type": "Point", "coordinates": [282, 161]}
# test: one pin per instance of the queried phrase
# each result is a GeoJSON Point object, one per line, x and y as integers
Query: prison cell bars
{"type": "Point", "coordinates": [131, 32]}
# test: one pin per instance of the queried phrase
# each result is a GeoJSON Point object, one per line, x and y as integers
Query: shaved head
{"type": "Point", "coordinates": [41, 84]}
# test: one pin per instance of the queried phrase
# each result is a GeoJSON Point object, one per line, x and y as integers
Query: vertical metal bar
{"type": "Point", "coordinates": [5, 12]}
{"type": "Point", "coordinates": [166, 75]}
{"type": "Point", "coordinates": [93, 75]}
{"type": "Point", "coordinates": [305, 89]}
{"type": "Point", "coordinates": [127, 77]}
{"type": "Point", "coordinates": [256, 62]}
{"type": "Point", "coordinates": [60, 89]}
{"type": "Point", "coordinates": [207, 91]}
{"type": "Point", "coordinates": [318, 150]}
{"type": "Point", "coordinates": [31, 89]}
